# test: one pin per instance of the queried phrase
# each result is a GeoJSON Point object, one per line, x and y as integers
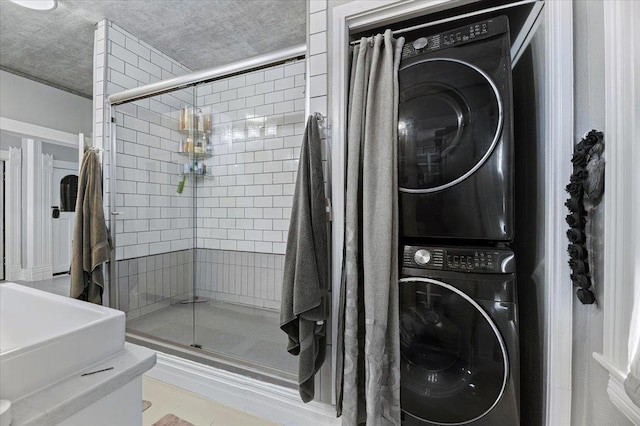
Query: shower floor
{"type": "Point", "coordinates": [246, 333]}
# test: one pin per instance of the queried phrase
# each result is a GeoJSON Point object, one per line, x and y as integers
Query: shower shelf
{"type": "Point", "coordinates": [196, 156]}
{"type": "Point", "coordinates": [193, 173]}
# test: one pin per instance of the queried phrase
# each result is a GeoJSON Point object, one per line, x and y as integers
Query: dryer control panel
{"type": "Point", "coordinates": [464, 259]}
{"type": "Point", "coordinates": [455, 37]}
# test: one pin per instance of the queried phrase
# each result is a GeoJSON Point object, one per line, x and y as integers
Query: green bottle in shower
{"type": "Point", "coordinates": [181, 184]}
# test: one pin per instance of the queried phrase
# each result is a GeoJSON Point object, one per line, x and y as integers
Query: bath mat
{"type": "Point", "coordinates": [145, 404]}
{"type": "Point", "coordinates": [171, 420]}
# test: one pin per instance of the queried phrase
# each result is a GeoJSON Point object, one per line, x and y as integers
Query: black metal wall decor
{"type": "Point", "coordinates": [587, 180]}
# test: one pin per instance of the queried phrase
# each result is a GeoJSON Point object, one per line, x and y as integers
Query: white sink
{"type": "Point", "coordinates": [5, 412]}
{"type": "Point", "coordinates": [45, 337]}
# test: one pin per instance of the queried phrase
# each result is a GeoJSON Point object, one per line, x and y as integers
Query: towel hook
{"type": "Point", "coordinates": [318, 116]}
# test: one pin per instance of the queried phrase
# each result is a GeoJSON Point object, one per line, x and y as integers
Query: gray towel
{"type": "Point", "coordinates": [91, 245]}
{"type": "Point", "coordinates": [304, 286]}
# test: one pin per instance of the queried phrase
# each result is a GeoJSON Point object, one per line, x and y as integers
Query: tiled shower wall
{"type": "Point", "coordinates": [153, 218]}
{"type": "Point", "coordinates": [122, 61]}
{"type": "Point", "coordinates": [242, 213]}
{"type": "Point", "coordinates": [246, 278]}
{"type": "Point", "coordinates": [150, 283]}
{"type": "Point", "coordinates": [258, 122]}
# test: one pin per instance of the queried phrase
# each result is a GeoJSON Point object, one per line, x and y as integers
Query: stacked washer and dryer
{"type": "Point", "coordinates": [458, 299]}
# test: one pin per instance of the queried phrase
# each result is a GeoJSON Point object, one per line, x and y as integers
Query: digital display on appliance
{"type": "Point", "coordinates": [464, 260]}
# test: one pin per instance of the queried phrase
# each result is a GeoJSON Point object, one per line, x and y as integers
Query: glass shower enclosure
{"type": "Point", "coordinates": [199, 208]}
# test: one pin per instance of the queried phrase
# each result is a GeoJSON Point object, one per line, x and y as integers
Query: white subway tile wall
{"type": "Point", "coordinates": [258, 124]}
{"type": "Point", "coordinates": [239, 277]}
{"type": "Point", "coordinates": [153, 217]}
{"type": "Point", "coordinates": [99, 64]}
{"type": "Point", "coordinates": [242, 213]}
{"type": "Point", "coordinates": [318, 73]}
{"type": "Point", "coordinates": [149, 283]}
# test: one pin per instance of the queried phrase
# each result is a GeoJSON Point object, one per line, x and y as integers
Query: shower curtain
{"type": "Point", "coordinates": [368, 368]}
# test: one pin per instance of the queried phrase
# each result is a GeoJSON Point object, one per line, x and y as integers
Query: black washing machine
{"type": "Point", "coordinates": [455, 134]}
{"type": "Point", "coordinates": [459, 337]}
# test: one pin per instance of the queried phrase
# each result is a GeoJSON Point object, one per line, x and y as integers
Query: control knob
{"type": "Point", "coordinates": [420, 43]}
{"type": "Point", "coordinates": [422, 257]}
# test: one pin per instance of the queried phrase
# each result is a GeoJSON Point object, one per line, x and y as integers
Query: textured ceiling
{"type": "Point", "coordinates": [56, 47]}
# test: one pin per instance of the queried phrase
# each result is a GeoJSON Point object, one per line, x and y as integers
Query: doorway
{"type": "Point", "coordinates": [62, 215]}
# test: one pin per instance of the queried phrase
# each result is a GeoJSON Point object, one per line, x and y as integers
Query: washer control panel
{"type": "Point", "coordinates": [482, 260]}
{"type": "Point", "coordinates": [455, 37]}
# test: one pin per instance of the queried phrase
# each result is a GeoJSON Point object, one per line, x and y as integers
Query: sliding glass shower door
{"type": "Point", "coordinates": [205, 178]}
{"type": "Point", "coordinates": [156, 177]}
{"type": "Point", "coordinates": [243, 212]}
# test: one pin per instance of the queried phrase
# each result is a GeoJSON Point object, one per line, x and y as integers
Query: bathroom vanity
{"type": "Point", "coordinates": [65, 362]}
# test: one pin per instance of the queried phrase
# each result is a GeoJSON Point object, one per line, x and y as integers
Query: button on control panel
{"type": "Point", "coordinates": [465, 34]}
{"type": "Point", "coordinates": [422, 257]}
{"type": "Point", "coordinates": [421, 43]}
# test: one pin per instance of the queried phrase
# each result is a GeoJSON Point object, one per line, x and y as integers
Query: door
{"type": "Point", "coordinates": [450, 119]}
{"type": "Point", "coordinates": [454, 365]}
{"type": "Point", "coordinates": [61, 226]}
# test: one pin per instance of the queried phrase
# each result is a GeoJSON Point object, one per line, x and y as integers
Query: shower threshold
{"type": "Point", "coordinates": [216, 360]}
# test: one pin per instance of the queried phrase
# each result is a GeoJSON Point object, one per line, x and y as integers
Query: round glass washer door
{"type": "Point", "coordinates": [450, 117]}
{"type": "Point", "coordinates": [454, 365]}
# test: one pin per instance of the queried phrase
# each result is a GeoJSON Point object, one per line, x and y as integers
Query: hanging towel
{"type": "Point", "coordinates": [304, 288]}
{"type": "Point", "coordinates": [91, 246]}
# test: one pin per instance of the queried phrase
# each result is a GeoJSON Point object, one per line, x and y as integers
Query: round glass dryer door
{"type": "Point", "coordinates": [454, 365]}
{"type": "Point", "coordinates": [449, 120]}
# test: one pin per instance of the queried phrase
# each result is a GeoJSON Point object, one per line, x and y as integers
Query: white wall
{"type": "Point", "coordinates": [591, 404]}
{"type": "Point", "coordinates": [61, 153]}
{"type": "Point", "coordinates": [9, 140]}
{"type": "Point", "coordinates": [36, 103]}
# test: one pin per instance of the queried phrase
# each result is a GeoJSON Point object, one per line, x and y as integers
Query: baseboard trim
{"type": "Point", "coordinates": [615, 389]}
{"type": "Point", "coordinates": [244, 393]}
{"type": "Point", "coordinates": [38, 273]}
{"type": "Point", "coordinates": [14, 273]}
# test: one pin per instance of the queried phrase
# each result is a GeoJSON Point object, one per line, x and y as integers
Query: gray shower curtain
{"type": "Point", "coordinates": [368, 367]}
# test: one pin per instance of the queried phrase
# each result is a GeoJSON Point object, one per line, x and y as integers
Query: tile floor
{"type": "Point", "coordinates": [59, 284]}
{"type": "Point", "coordinates": [167, 399]}
{"type": "Point", "coordinates": [246, 333]}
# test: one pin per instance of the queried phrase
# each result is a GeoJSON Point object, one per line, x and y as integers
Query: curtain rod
{"type": "Point", "coordinates": [454, 18]}
{"type": "Point", "coordinates": [245, 65]}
